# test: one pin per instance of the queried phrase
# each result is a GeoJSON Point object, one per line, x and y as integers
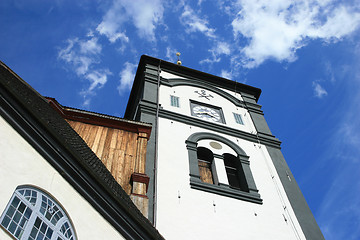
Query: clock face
{"type": "Point", "coordinates": [206, 113]}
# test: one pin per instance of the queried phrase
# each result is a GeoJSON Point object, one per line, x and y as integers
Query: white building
{"type": "Point", "coordinates": [216, 171]}
{"type": "Point", "coordinates": [211, 168]}
{"type": "Point", "coordinates": [52, 185]}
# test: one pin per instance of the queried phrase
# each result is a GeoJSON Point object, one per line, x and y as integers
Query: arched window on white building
{"type": "Point", "coordinates": [226, 171]}
{"type": "Point", "coordinates": [33, 214]}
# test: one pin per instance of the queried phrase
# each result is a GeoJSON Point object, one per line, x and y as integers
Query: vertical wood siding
{"type": "Point", "coordinates": [116, 148]}
{"type": "Point", "coordinates": [205, 172]}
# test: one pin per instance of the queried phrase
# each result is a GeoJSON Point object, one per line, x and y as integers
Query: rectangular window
{"type": "Point", "coordinates": [238, 119]}
{"type": "Point", "coordinates": [174, 101]}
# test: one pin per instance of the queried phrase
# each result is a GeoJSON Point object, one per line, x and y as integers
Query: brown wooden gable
{"type": "Point", "coordinates": [119, 144]}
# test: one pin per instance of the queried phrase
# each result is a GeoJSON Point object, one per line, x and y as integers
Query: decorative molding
{"type": "Point", "coordinates": [139, 195]}
{"type": "Point", "coordinates": [221, 128]}
{"type": "Point", "coordinates": [225, 190]}
{"type": "Point", "coordinates": [141, 178]}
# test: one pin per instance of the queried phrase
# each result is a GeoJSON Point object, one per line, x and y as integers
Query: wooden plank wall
{"type": "Point", "coordinates": [116, 148]}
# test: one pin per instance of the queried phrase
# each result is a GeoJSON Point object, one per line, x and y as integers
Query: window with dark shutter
{"type": "Point", "coordinates": [235, 173]}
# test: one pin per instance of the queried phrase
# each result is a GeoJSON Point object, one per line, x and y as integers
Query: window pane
{"type": "Point", "coordinates": [28, 213]}
{"type": "Point", "coordinates": [37, 223]}
{"type": "Point", "coordinates": [11, 211]}
{"type": "Point", "coordinates": [233, 178]}
{"type": "Point", "coordinates": [17, 217]}
{"type": "Point", "coordinates": [33, 233]}
{"type": "Point", "coordinates": [12, 227]}
{"type": "Point", "coordinates": [49, 233]}
{"type": "Point", "coordinates": [19, 232]}
{"type": "Point", "coordinates": [15, 202]}
{"type": "Point", "coordinates": [174, 101]}
{"type": "Point", "coordinates": [43, 228]}
{"type": "Point", "coordinates": [22, 207]}
{"type": "Point", "coordinates": [40, 236]}
{"type": "Point", "coordinates": [5, 222]}
{"type": "Point", "coordinates": [23, 222]}
{"type": "Point", "coordinates": [238, 119]}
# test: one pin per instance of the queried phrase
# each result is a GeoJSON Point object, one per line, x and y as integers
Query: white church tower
{"type": "Point", "coordinates": [216, 171]}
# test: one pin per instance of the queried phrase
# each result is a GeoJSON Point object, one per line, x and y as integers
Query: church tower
{"type": "Point", "coordinates": [216, 171]}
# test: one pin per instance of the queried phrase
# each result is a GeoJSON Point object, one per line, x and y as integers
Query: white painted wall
{"type": "Point", "coordinates": [185, 93]}
{"type": "Point", "coordinates": [22, 165]}
{"type": "Point", "coordinates": [193, 215]}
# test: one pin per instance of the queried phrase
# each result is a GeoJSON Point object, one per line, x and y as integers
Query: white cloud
{"type": "Point", "coordinates": [127, 77]}
{"type": "Point", "coordinates": [219, 48]}
{"type": "Point", "coordinates": [194, 23]}
{"type": "Point", "coordinates": [222, 48]}
{"type": "Point", "coordinates": [145, 15]}
{"type": "Point", "coordinates": [276, 29]}
{"type": "Point", "coordinates": [97, 78]}
{"type": "Point", "coordinates": [319, 91]}
{"type": "Point", "coordinates": [329, 71]}
{"type": "Point", "coordinates": [171, 54]}
{"type": "Point", "coordinates": [81, 56]}
{"type": "Point", "coordinates": [112, 23]}
{"type": "Point", "coordinates": [90, 46]}
{"type": "Point", "coordinates": [226, 74]}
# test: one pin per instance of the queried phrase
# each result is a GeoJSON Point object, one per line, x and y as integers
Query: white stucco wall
{"type": "Point", "coordinates": [185, 93]}
{"type": "Point", "coordinates": [193, 215]}
{"type": "Point", "coordinates": [22, 165]}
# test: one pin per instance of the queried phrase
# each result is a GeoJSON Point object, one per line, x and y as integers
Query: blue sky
{"type": "Point", "coordinates": [303, 54]}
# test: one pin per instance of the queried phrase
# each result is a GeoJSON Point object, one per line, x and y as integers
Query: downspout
{"type": "Point", "coordinates": [156, 145]}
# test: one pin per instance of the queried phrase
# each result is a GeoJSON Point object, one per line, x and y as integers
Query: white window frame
{"type": "Point", "coordinates": [238, 118]}
{"type": "Point", "coordinates": [45, 213]}
{"type": "Point", "coordinates": [174, 101]}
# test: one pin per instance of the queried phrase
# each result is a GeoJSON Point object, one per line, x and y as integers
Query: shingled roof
{"type": "Point", "coordinates": [30, 114]}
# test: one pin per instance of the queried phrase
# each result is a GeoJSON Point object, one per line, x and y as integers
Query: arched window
{"type": "Point", "coordinates": [205, 158]}
{"type": "Point", "coordinates": [32, 214]}
{"type": "Point", "coordinates": [226, 171]}
{"type": "Point", "coordinates": [235, 172]}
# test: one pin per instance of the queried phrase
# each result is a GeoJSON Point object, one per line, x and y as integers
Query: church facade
{"type": "Point", "coordinates": [193, 158]}
{"type": "Point", "coordinates": [216, 171]}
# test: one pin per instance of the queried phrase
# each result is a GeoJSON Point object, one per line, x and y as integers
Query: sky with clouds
{"type": "Point", "coordinates": [303, 54]}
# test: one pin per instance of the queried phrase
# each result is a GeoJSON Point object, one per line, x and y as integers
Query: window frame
{"type": "Point", "coordinates": [251, 195]}
{"type": "Point", "coordinates": [174, 101]}
{"type": "Point", "coordinates": [46, 213]}
{"type": "Point", "coordinates": [238, 118]}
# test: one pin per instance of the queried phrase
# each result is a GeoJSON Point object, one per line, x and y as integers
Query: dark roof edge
{"type": "Point", "coordinates": [99, 119]}
{"type": "Point", "coordinates": [31, 115]}
{"type": "Point", "coordinates": [256, 92]}
{"type": "Point", "coordinates": [164, 65]}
